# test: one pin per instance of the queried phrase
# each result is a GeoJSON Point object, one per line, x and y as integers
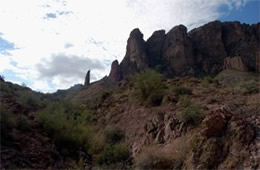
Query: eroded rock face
{"type": "Point", "coordinates": [177, 50]}
{"type": "Point", "coordinates": [115, 74]}
{"type": "Point", "coordinates": [205, 50]}
{"type": "Point", "coordinates": [154, 47]}
{"type": "Point", "coordinates": [235, 63]}
{"type": "Point", "coordinates": [209, 50]}
{"type": "Point", "coordinates": [241, 40]}
{"type": "Point", "coordinates": [257, 62]}
{"type": "Point", "coordinates": [136, 57]}
{"type": "Point", "coordinates": [224, 138]}
{"type": "Point", "coordinates": [87, 78]}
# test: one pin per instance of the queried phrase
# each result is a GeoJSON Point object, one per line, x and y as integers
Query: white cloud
{"type": "Point", "coordinates": [97, 29]}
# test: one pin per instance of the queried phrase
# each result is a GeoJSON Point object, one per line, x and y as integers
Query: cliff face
{"type": "Point", "coordinates": [205, 50]}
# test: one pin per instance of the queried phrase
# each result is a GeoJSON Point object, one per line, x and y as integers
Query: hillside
{"type": "Point", "coordinates": [180, 100]}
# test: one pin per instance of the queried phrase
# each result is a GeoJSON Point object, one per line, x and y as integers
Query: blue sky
{"type": "Point", "coordinates": [50, 44]}
{"type": "Point", "coordinates": [249, 14]}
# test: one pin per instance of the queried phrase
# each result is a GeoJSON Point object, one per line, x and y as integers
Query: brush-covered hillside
{"type": "Point", "coordinates": [180, 100]}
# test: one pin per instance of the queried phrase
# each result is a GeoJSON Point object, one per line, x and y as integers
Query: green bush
{"type": "Point", "coordinates": [180, 90]}
{"type": "Point", "coordinates": [114, 154]}
{"type": "Point", "coordinates": [249, 87]}
{"type": "Point", "coordinates": [113, 135]}
{"type": "Point", "coordinates": [7, 123]}
{"type": "Point", "coordinates": [206, 81]}
{"type": "Point", "coordinates": [190, 112]}
{"type": "Point", "coordinates": [149, 87]}
{"type": "Point", "coordinates": [67, 125]}
{"type": "Point", "coordinates": [28, 99]}
{"type": "Point", "coordinates": [22, 123]}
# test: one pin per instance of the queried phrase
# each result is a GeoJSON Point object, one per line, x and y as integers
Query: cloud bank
{"type": "Point", "coordinates": [59, 40]}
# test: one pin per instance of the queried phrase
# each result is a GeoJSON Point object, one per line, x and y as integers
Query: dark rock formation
{"type": "Point", "coordinates": [154, 47]}
{"type": "Point", "coordinates": [257, 62]}
{"type": "Point", "coordinates": [241, 40]}
{"type": "Point", "coordinates": [115, 74]}
{"type": "Point", "coordinates": [177, 50]}
{"type": "Point", "coordinates": [209, 50]}
{"type": "Point", "coordinates": [205, 50]}
{"type": "Point", "coordinates": [136, 57]}
{"type": "Point", "coordinates": [87, 78]}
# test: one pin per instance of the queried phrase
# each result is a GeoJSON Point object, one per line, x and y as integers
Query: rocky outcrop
{"type": "Point", "coordinates": [177, 51]}
{"type": "Point", "coordinates": [235, 63]}
{"type": "Point", "coordinates": [257, 62]}
{"type": "Point", "coordinates": [205, 50]}
{"type": "Point", "coordinates": [209, 50]}
{"type": "Point", "coordinates": [87, 78]}
{"type": "Point", "coordinates": [241, 40]}
{"type": "Point", "coordinates": [154, 47]}
{"type": "Point", "coordinates": [136, 57]}
{"type": "Point", "coordinates": [115, 74]}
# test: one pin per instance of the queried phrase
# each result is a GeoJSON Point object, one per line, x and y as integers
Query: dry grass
{"type": "Point", "coordinates": [170, 156]}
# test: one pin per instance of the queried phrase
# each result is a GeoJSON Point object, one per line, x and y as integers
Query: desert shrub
{"type": "Point", "coordinates": [113, 135]}
{"type": "Point", "coordinates": [7, 123]}
{"type": "Point", "coordinates": [22, 123]}
{"type": "Point", "coordinates": [5, 88]}
{"type": "Point", "coordinates": [249, 87]}
{"type": "Point", "coordinates": [67, 125]}
{"type": "Point", "coordinates": [180, 90]}
{"type": "Point", "coordinates": [114, 154]}
{"type": "Point", "coordinates": [149, 87]}
{"type": "Point", "coordinates": [190, 112]}
{"type": "Point", "coordinates": [28, 99]}
{"type": "Point", "coordinates": [206, 81]}
{"type": "Point", "coordinates": [171, 156]}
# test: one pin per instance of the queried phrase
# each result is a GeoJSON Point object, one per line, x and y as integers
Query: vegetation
{"type": "Point", "coordinates": [7, 123]}
{"type": "Point", "coordinates": [114, 154]}
{"type": "Point", "coordinates": [180, 90]}
{"type": "Point", "coordinates": [206, 81]}
{"type": "Point", "coordinates": [190, 112]}
{"type": "Point", "coordinates": [247, 87]}
{"type": "Point", "coordinates": [149, 87]}
{"type": "Point", "coordinates": [23, 123]}
{"type": "Point", "coordinates": [29, 99]}
{"type": "Point", "coordinates": [67, 125]}
{"type": "Point", "coordinates": [113, 135]}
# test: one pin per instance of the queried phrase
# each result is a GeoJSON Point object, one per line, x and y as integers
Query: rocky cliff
{"type": "Point", "coordinates": [205, 50]}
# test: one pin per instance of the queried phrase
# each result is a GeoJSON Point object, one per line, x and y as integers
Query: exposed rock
{"type": "Point", "coordinates": [209, 49]}
{"type": "Point", "coordinates": [241, 40]}
{"type": "Point", "coordinates": [201, 51]}
{"type": "Point", "coordinates": [234, 63]}
{"type": "Point", "coordinates": [136, 57]}
{"type": "Point", "coordinates": [154, 47]}
{"type": "Point", "coordinates": [216, 123]}
{"type": "Point", "coordinates": [257, 62]}
{"type": "Point", "coordinates": [115, 74]}
{"type": "Point", "coordinates": [87, 78]}
{"type": "Point", "coordinates": [177, 51]}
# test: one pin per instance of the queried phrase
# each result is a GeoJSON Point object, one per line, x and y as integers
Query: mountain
{"type": "Point", "coordinates": [205, 50]}
{"type": "Point", "coordinates": [180, 100]}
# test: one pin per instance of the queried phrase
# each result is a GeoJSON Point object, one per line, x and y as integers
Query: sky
{"type": "Point", "coordinates": [51, 44]}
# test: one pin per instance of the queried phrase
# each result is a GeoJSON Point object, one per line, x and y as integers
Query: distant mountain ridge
{"type": "Point", "coordinates": [205, 50]}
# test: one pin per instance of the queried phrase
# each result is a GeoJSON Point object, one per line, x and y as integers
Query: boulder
{"type": "Point", "coordinates": [234, 63]}
{"type": "Point", "coordinates": [257, 62]}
